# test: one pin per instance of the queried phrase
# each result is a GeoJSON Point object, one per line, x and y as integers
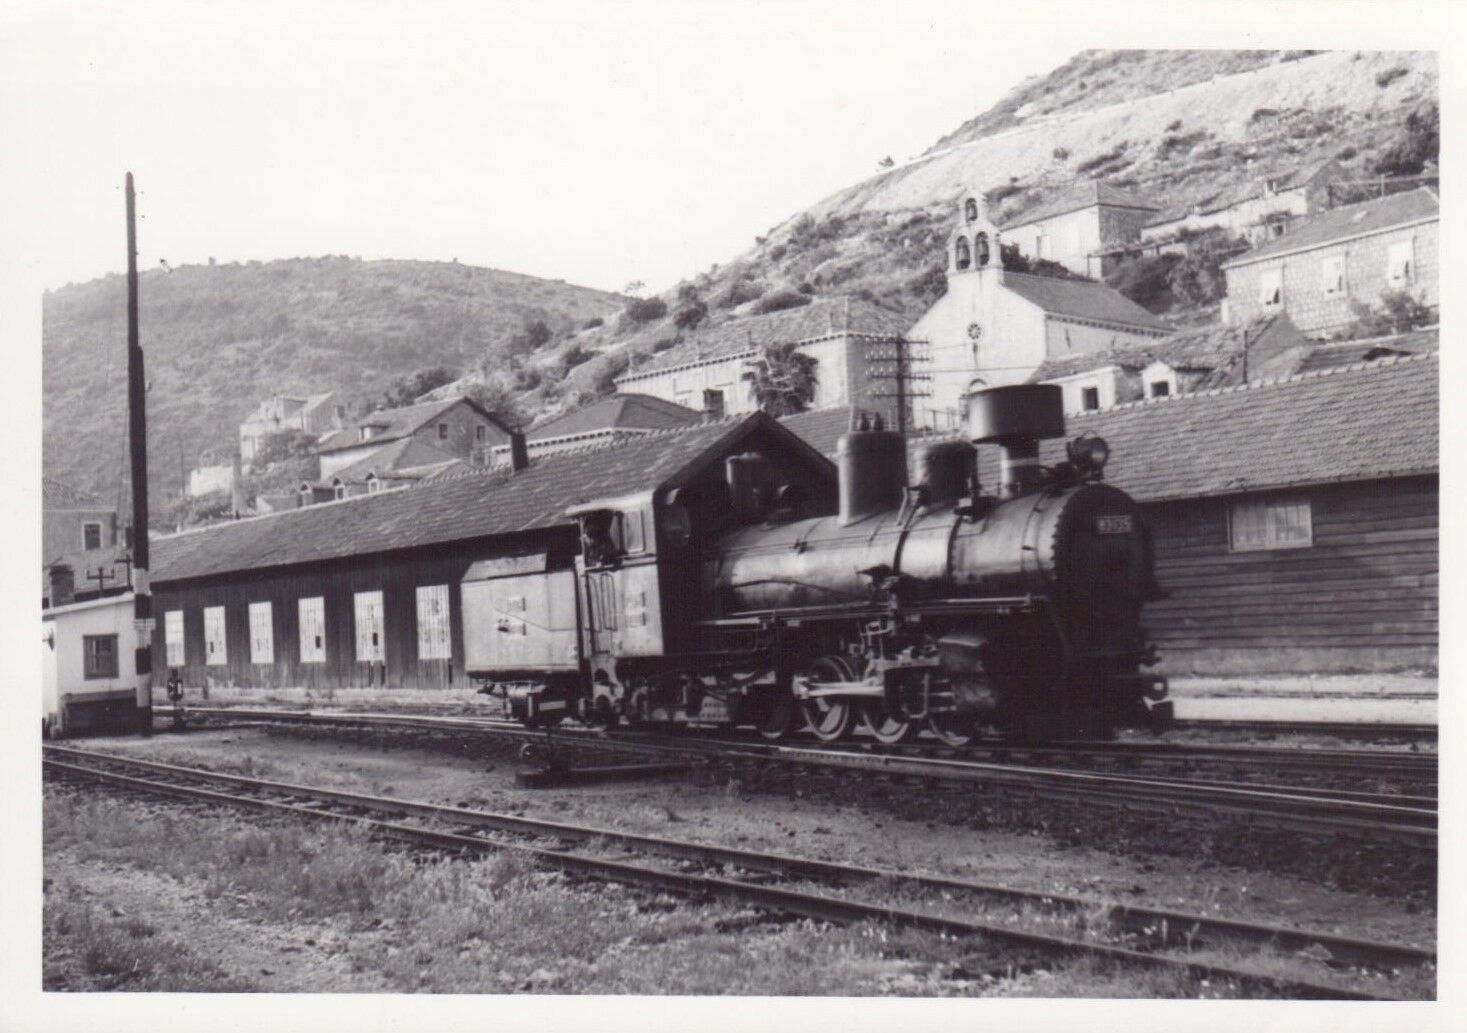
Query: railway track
{"type": "Point", "coordinates": [1399, 818]}
{"type": "Point", "coordinates": [1338, 729]}
{"type": "Point", "coordinates": [1156, 939]}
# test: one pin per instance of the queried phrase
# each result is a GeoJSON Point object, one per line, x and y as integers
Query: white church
{"type": "Point", "coordinates": [995, 327]}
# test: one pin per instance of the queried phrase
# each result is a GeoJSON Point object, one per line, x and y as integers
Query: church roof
{"type": "Point", "coordinates": [1081, 299]}
{"type": "Point", "coordinates": [823, 317]}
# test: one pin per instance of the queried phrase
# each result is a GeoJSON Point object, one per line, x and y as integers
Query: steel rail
{"type": "Point", "coordinates": [1344, 729]}
{"type": "Point", "coordinates": [1296, 808]}
{"type": "Point", "coordinates": [1170, 926]}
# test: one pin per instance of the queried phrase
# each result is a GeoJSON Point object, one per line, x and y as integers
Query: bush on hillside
{"type": "Point", "coordinates": [781, 299]}
{"type": "Point", "coordinates": [530, 337]}
{"type": "Point", "coordinates": [604, 382]}
{"type": "Point", "coordinates": [1197, 280]}
{"type": "Point", "coordinates": [408, 389]}
{"type": "Point", "coordinates": [663, 344]}
{"type": "Point", "coordinates": [738, 293]}
{"type": "Point", "coordinates": [928, 285]}
{"type": "Point", "coordinates": [201, 509]}
{"type": "Point", "coordinates": [1105, 158]}
{"type": "Point", "coordinates": [644, 310]}
{"type": "Point", "coordinates": [1146, 280]}
{"type": "Point", "coordinates": [573, 357]}
{"type": "Point", "coordinates": [1418, 142]}
{"type": "Point", "coordinates": [593, 323]}
{"type": "Point", "coordinates": [690, 314]}
{"type": "Point", "coordinates": [1389, 76]}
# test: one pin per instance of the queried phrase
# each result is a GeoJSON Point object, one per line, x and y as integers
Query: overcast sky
{"type": "Point", "coordinates": [595, 142]}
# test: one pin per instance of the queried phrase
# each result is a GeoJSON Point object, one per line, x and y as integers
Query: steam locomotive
{"type": "Point", "coordinates": [743, 598]}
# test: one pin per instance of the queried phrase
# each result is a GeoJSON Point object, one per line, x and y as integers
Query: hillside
{"type": "Point", "coordinates": [219, 338]}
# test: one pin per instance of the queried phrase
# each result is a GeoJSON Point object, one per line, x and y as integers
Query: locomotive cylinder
{"type": "Point", "coordinates": [872, 465]}
{"type": "Point", "coordinates": [1017, 418]}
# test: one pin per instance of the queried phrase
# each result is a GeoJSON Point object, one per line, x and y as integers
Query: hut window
{"type": "Point", "coordinates": [173, 637]}
{"type": "Point", "coordinates": [100, 656]}
{"type": "Point", "coordinates": [373, 485]}
{"type": "Point", "coordinates": [1160, 388]}
{"type": "Point", "coordinates": [313, 629]}
{"type": "Point", "coordinates": [1089, 398]}
{"type": "Point", "coordinates": [369, 626]}
{"type": "Point", "coordinates": [91, 535]}
{"type": "Point", "coordinates": [262, 634]}
{"type": "Point", "coordinates": [216, 652]}
{"type": "Point", "coordinates": [1260, 524]}
{"type": "Point", "coordinates": [962, 257]}
{"type": "Point", "coordinates": [433, 640]}
{"type": "Point", "coordinates": [1271, 288]}
{"type": "Point", "coordinates": [1399, 260]}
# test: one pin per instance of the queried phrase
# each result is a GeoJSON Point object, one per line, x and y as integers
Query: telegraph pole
{"type": "Point", "coordinates": [137, 437]}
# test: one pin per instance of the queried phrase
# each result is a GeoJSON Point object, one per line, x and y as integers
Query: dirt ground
{"type": "Point", "coordinates": [732, 815]}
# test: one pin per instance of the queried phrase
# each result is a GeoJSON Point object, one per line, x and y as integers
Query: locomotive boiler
{"type": "Point", "coordinates": [947, 605]}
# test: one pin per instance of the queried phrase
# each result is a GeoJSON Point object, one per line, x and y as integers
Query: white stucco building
{"type": "Point", "coordinates": [994, 327]}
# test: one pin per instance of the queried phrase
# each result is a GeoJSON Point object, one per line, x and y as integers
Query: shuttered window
{"type": "Point", "coordinates": [1332, 274]}
{"type": "Point", "coordinates": [262, 634]}
{"type": "Point", "coordinates": [312, 613]}
{"type": "Point", "coordinates": [173, 637]}
{"type": "Point", "coordinates": [1258, 524]}
{"type": "Point", "coordinates": [99, 654]}
{"type": "Point", "coordinates": [369, 626]}
{"type": "Point", "coordinates": [1271, 287]}
{"type": "Point", "coordinates": [433, 640]}
{"type": "Point", "coordinates": [216, 652]}
{"type": "Point", "coordinates": [1400, 258]}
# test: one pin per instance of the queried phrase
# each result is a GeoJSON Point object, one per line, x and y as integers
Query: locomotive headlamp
{"type": "Point", "coordinates": [1089, 453]}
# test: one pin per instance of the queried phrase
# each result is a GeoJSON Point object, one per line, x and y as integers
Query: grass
{"type": "Point", "coordinates": [494, 925]}
{"type": "Point", "coordinates": [109, 954]}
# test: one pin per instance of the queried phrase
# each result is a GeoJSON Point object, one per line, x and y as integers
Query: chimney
{"type": "Point", "coordinates": [1016, 418]}
{"type": "Point", "coordinates": [63, 585]}
{"type": "Point", "coordinates": [519, 451]}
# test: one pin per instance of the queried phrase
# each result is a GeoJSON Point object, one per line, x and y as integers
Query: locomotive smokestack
{"type": "Point", "coordinates": [872, 465]}
{"type": "Point", "coordinates": [1017, 418]}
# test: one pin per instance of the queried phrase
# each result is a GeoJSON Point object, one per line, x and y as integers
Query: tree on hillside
{"type": "Point", "coordinates": [500, 399]}
{"type": "Point", "coordinates": [530, 337]}
{"type": "Point", "coordinates": [1398, 312]}
{"type": "Point", "coordinates": [1418, 143]}
{"type": "Point", "coordinates": [408, 389]}
{"type": "Point", "coordinates": [782, 380]}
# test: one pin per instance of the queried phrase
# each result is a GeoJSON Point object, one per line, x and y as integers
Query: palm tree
{"type": "Point", "coordinates": [782, 381]}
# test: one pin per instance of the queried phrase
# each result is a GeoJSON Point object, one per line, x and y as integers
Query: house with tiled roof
{"type": "Point", "coordinates": [995, 327]}
{"type": "Point", "coordinates": [457, 427]}
{"type": "Point", "coordinates": [604, 422]}
{"type": "Point", "coordinates": [704, 371]}
{"type": "Point", "coordinates": [1080, 224]}
{"type": "Point", "coordinates": [73, 520]}
{"type": "Point", "coordinates": [367, 590]}
{"type": "Point", "coordinates": [1261, 209]}
{"type": "Point", "coordinates": [1328, 266]}
{"type": "Point", "coordinates": [309, 414]}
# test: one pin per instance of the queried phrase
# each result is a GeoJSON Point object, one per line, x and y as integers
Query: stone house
{"type": "Point", "coordinates": [705, 370]}
{"type": "Point", "coordinates": [1080, 226]}
{"type": "Point", "coordinates": [311, 414]}
{"type": "Point", "coordinates": [1326, 266]}
{"type": "Point", "coordinates": [604, 422]}
{"type": "Point", "coordinates": [994, 327]}
{"type": "Point", "coordinates": [1261, 211]}
{"type": "Point", "coordinates": [458, 428]}
{"type": "Point", "coordinates": [73, 521]}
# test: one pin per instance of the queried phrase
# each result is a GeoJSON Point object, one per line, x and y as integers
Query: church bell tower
{"type": "Point", "coordinates": [973, 246]}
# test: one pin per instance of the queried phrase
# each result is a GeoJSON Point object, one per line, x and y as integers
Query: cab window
{"type": "Point", "coordinates": [602, 542]}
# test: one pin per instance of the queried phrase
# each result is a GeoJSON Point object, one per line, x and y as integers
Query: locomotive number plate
{"type": "Point", "coordinates": [1114, 524]}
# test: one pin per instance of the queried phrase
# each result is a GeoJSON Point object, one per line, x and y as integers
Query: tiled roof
{"type": "Point", "coordinates": [1351, 220]}
{"type": "Point", "coordinates": [644, 412]}
{"type": "Point", "coordinates": [55, 495]}
{"type": "Point", "coordinates": [1367, 421]}
{"type": "Point", "coordinates": [395, 455]}
{"type": "Point", "coordinates": [1081, 299]}
{"type": "Point", "coordinates": [1208, 347]}
{"type": "Point", "coordinates": [823, 317]}
{"type": "Point", "coordinates": [396, 423]}
{"type": "Point", "coordinates": [469, 505]}
{"type": "Point", "coordinates": [1078, 197]}
{"type": "Point", "coordinates": [1345, 353]}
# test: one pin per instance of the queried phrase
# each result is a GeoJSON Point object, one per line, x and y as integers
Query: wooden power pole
{"type": "Point", "coordinates": [137, 437]}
